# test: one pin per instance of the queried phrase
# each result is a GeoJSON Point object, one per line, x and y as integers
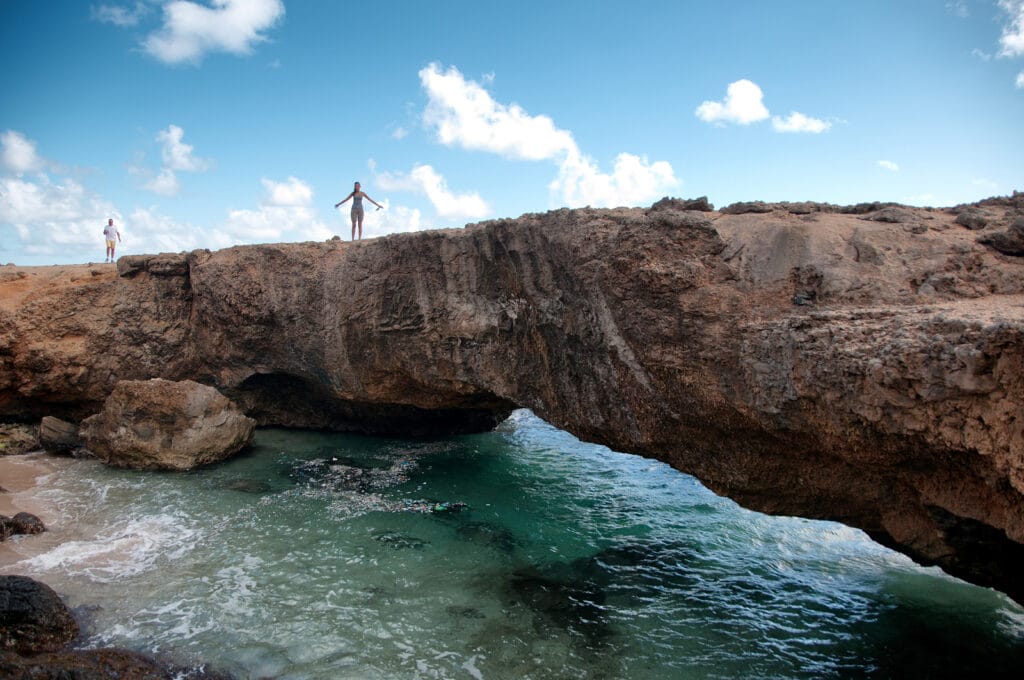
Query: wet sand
{"type": "Point", "coordinates": [18, 479]}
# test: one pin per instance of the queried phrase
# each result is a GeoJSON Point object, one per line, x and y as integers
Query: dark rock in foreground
{"type": "Point", "coordinates": [36, 628]}
{"type": "Point", "coordinates": [33, 618]}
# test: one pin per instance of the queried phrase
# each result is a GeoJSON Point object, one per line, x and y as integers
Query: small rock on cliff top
{"type": "Point", "coordinates": [163, 424]}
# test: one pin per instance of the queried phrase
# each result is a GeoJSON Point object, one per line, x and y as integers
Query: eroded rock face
{"type": "Point", "coordinates": [167, 425]}
{"type": "Point", "coordinates": [803, 359]}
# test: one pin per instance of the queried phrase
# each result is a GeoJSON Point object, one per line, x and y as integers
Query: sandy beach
{"type": "Point", "coordinates": [18, 479]}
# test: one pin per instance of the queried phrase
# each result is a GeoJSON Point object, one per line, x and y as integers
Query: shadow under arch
{"type": "Point", "coordinates": [288, 400]}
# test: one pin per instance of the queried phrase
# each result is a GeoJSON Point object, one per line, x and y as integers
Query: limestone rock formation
{"type": "Point", "coordinates": [857, 363]}
{"type": "Point", "coordinates": [162, 424]}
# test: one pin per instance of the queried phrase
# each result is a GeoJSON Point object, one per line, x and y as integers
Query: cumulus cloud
{"type": "Point", "coordinates": [633, 180]}
{"type": "Point", "coordinates": [118, 15]}
{"type": "Point", "coordinates": [285, 214]}
{"type": "Point", "coordinates": [798, 122]}
{"type": "Point", "coordinates": [18, 153]}
{"type": "Point", "coordinates": [165, 183]}
{"type": "Point", "coordinates": [462, 113]}
{"type": "Point", "coordinates": [53, 219]}
{"type": "Point", "coordinates": [423, 179]}
{"type": "Point", "coordinates": [191, 30]}
{"type": "Point", "coordinates": [1020, 80]}
{"type": "Point", "coordinates": [1012, 41]}
{"type": "Point", "coordinates": [175, 156]}
{"type": "Point", "coordinates": [743, 104]}
{"type": "Point", "coordinates": [889, 165]}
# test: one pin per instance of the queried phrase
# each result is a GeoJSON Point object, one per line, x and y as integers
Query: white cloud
{"type": "Point", "coordinates": [633, 181]}
{"type": "Point", "coordinates": [191, 30]}
{"type": "Point", "coordinates": [165, 183]}
{"type": "Point", "coordinates": [742, 104]}
{"type": "Point", "coordinates": [798, 122]}
{"type": "Point", "coordinates": [18, 153]}
{"type": "Point", "coordinates": [889, 165]}
{"type": "Point", "coordinates": [981, 54]}
{"type": "Point", "coordinates": [1020, 80]}
{"type": "Point", "coordinates": [285, 214]}
{"type": "Point", "coordinates": [54, 219]}
{"type": "Point", "coordinates": [390, 220]}
{"type": "Point", "coordinates": [120, 16]}
{"type": "Point", "coordinates": [176, 154]}
{"type": "Point", "coordinates": [464, 114]}
{"type": "Point", "coordinates": [425, 180]}
{"type": "Point", "coordinates": [152, 232]}
{"type": "Point", "coordinates": [292, 192]}
{"type": "Point", "coordinates": [1012, 40]}
{"type": "Point", "coordinates": [399, 133]}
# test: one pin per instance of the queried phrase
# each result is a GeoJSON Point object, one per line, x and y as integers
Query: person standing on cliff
{"type": "Point", "coordinates": [110, 233]}
{"type": "Point", "coordinates": [357, 197]}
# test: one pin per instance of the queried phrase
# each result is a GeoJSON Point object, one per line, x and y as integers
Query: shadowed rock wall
{"type": "Point", "coordinates": [864, 365]}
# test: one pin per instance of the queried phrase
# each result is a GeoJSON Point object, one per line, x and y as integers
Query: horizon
{"type": "Point", "coordinates": [233, 122]}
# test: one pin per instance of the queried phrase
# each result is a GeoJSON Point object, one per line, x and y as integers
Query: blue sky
{"type": "Point", "coordinates": [217, 122]}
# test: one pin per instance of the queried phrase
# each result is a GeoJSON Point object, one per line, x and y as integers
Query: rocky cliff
{"type": "Point", "coordinates": [862, 364]}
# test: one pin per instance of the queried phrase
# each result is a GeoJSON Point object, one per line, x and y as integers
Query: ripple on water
{"type": "Point", "coordinates": [518, 553]}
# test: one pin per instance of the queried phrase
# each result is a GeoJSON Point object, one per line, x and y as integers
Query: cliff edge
{"type": "Point", "coordinates": [863, 363]}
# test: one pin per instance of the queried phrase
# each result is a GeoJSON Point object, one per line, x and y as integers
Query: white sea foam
{"type": "Point", "coordinates": [127, 549]}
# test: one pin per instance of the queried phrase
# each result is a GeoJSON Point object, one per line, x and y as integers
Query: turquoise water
{"type": "Point", "coordinates": [521, 553]}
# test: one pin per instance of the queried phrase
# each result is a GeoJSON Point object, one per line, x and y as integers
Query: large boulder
{"type": "Point", "coordinates": [58, 436]}
{"type": "Point", "coordinates": [163, 424]}
{"type": "Point", "coordinates": [33, 618]}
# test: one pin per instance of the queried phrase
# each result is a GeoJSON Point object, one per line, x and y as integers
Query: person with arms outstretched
{"type": "Point", "coordinates": [110, 233]}
{"type": "Point", "coordinates": [357, 197]}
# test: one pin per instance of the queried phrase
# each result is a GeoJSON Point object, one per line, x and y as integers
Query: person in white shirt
{"type": "Point", "coordinates": [110, 233]}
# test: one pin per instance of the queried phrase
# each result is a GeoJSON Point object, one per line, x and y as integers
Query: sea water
{"type": "Point", "coordinates": [520, 553]}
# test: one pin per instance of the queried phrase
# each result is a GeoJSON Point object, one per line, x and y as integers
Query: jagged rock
{"type": "Point", "coordinates": [33, 618]}
{"type": "Point", "coordinates": [164, 264]}
{"type": "Point", "coordinates": [699, 204]}
{"type": "Point", "coordinates": [745, 207]}
{"type": "Point", "coordinates": [865, 208]}
{"type": "Point", "coordinates": [58, 436]}
{"type": "Point", "coordinates": [162, 424]}
{"type": "Point", "coordinates": [1009, 242]}
{"type": "Point", "coordinates": [891, 215]}
{"type": "Point", "coordinates": [890, 402]}
{"type": "Point", "coordinates": [973, 218]}
{"type": "Point", "coordinates": [17, 439]}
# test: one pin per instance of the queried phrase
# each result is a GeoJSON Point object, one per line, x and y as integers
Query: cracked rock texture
{"type": "Point", "coordinates": [863, 363]}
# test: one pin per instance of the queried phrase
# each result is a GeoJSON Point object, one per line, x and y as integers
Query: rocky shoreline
{"type": "Point", "coordinates": [861, 363]}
